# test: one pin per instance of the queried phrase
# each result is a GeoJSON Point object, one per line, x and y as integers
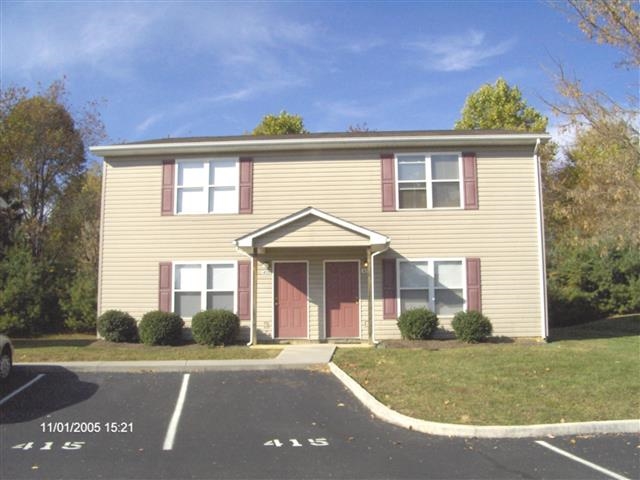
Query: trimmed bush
{"type": "Point", "coordinates": [161, 328]}
{"type": "Point", "coordinates": [117, 326]}
{"type": "Point", "coordinates": [215, 327]}
{"type": "Point", "coordinates": [417, 324]}
{"type": "Point", "coordinates": [471, 326]}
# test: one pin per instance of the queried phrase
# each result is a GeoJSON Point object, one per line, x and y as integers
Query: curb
{"type": "Point", "coordinates": [172, 366]}
{"type": "Point", "coordinates": [474, 431]}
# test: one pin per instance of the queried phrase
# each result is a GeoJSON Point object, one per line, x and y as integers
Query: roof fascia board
{"type": "Point", "coordinates": [276, 144]}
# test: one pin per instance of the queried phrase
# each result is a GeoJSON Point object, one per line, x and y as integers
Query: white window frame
{"type": "Point", "coordinates": [428, 180]}
{"type": "Point", "coordinates": [206, 186]}
{"type": "Point", "coordinates": [431, 270]}
{"type": "Point", "coordinates": [203, 282]}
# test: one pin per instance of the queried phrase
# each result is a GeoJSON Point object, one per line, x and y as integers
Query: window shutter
{"type": "Point", "coordinates": [390, 310]}
{"type": "Point", "coordinates": [246, 185]}
{"type": "Point", "coordinates": [164, 292]}
{"type": "Point", "coordinates": [474, 297]}
{"type": "Point", "coordinates": [387, 164]}
{"type": "Point", "coordinates": [470, 177]}
{"type": "Point", "coordinates": [168, 173]}
{"type": "Point", "coordinates": [244, 290]}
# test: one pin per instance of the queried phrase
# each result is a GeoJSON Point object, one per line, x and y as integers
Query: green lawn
{"type": "Point", "coordinates": [78, 347]}
{"type": "Point", "coordinates": [592, 372]}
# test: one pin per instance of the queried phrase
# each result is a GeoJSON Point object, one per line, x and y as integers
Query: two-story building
{"type": "Point", "coordinates": [327, 237]}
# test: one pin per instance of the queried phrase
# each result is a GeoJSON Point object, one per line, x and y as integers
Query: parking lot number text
{"type": "Point", "coordinates": [48, 446]}
{"type": "Point", "coordinates": [314, 442]}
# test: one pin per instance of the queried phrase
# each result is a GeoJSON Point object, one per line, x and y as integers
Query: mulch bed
{"type": "Point", "coordinates": [447, 343]}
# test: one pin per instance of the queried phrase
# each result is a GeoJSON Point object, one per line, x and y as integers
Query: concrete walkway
{"type": "Point", "coordinates": [291, 356]}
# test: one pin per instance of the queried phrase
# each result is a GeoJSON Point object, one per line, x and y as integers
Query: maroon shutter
{"type": "Point", "coordinates": [474, 297]}
{"type": "Point", "coordinates": [244, 290]}
{"type": "Point", "coordinates": [387, 164]}
{"type": "Point", "coordinates": [164, 292]}
{"type": "Point", "coordinates": [168, 173]}
{"type": "Point", "coordinates": [390, 310]}
{"type": "Point", "coordinates": [246, 185]}
{"type": "Point", "coordinates": [470, 177]}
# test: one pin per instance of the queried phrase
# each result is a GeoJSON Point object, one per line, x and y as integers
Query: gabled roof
{"type": "Point", "coordinates": [374, 238]}
{"type": "Point", "coordinates": [326, 141]}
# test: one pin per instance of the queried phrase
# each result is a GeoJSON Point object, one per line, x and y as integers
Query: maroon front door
{"type": "Point", "coordinates": [341, 299]}
{"type": "Point", "coordinates": [290, 300]}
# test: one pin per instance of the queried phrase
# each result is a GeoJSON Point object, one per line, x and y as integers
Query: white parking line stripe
{"type": "Point", "coordinates": [175, 419]}
{"type": "Point", "coordinates": [580, 460]}
{"type": "Point", "coordinates": [26, 385]}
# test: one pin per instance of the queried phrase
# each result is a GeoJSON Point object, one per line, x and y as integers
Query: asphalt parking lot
{"type": "Point", "coordinates": [255, 424]}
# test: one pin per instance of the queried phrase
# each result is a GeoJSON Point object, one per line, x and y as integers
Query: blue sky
{"type": "Point", "coordinates": [213, 68]}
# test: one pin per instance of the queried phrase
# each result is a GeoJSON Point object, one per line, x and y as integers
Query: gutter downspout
{"type": "Point", "coordinates": [541, 245]}
{"type": "Point", "coordinates": [103, 201]}
{"type": "Point", "coordinates": [373, 294]}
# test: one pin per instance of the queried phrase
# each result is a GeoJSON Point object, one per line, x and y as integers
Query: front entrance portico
{"type": "Point", "coordinates": [312, 278]}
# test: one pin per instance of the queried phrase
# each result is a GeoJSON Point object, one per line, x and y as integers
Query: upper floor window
{"type": "Point", "coordinates": [207, 186]}
{"type": "Point", "coordinates": [429, 181]}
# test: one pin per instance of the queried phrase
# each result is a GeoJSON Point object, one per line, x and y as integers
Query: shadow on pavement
{"type": "Point", "coordinates": [60, 388]}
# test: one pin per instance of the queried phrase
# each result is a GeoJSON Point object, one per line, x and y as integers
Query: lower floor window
{"type": "Point", "coordinates": [433, 284]}
{"type": "Point", "coordinates": [203, 286]}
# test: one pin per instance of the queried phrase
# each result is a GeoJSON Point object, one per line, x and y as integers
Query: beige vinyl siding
{"type": "Point", "coordinates": [310, 231]}
{"type": "Point", "coordinates": [502, 232]}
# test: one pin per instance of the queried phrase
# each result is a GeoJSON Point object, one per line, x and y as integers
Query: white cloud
{"type": "Point", "coordinates": [456, 53]}
{"type": "Point", "coordinates": [362, 46]}
{"type": "Point", "coordinates": [246, 45]}
{"type": "Point", "coordinates": [343, 109]}
{"type": "Point", "coordinates": [51, 37]}
{"type": "Point", "coordinates": [148, 122]}
{"type": "Point", "coordinates": [235, 95]}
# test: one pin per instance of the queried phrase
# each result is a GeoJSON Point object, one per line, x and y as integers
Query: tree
{"type": "Point", "coordinates": [358, 127]}
{"type": "Point", "coordinates": [41, 151]}
{"type": "Point", "coordinates": [613, 22]}
{"type": "Point", "coordinates": [597, 189]}
{"type": "Point", "coordinates": [10, 217]}
{"type": "Point", "coordinates": [281, 124]}
{"type": "Point", "coordinates": [592, 198]}
{"type": "Point", "coordinates": [49, 206]}
{"type": "Point", "coordinates": [76, 230]}
{"type": "Point", "coordinates": [500, 106]}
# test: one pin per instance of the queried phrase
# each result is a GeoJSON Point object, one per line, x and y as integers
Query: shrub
{"type": "Point", "coordinates": [586, 282]}
{"type": "Point", "coordinates": [417, 324]}
{"type": "Point", "coordinates": [471, 326]}
{"type": "Point", "coordinates": [215, 327]}
{"type": "Point", "coordinates": [28, 297]}
{"type": "Point", "coordinates": [161, 328]}
{"type": "Point", "coordinates": [80, 305]}
{"type": "Point", "coordinates": [117, 326]}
